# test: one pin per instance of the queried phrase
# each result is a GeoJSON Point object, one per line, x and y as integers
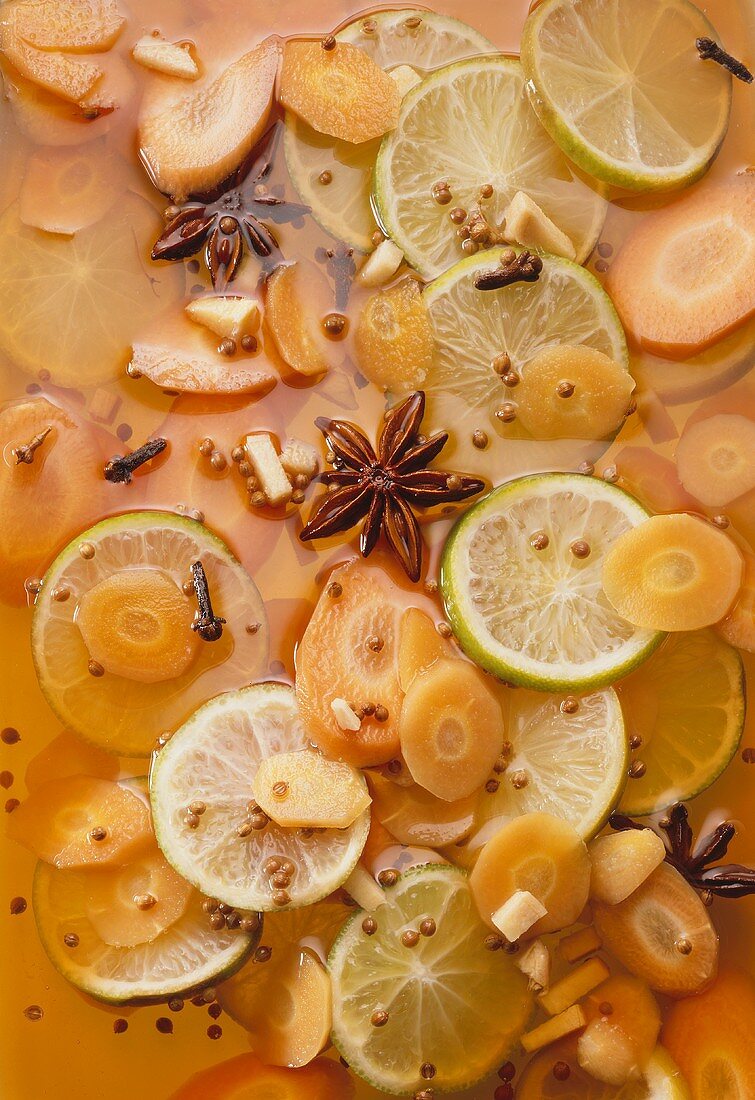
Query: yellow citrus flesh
{"type": "Point", "coordinates": [306, 790]}
{"type": "Point", "coordinates": [420, 645]}
{"type": "Point", "coordinates": [394, 339]}
{"type": "Point", "coordinates": [414, 816]}
{"type": "Point", "coordinates": [674, 572]}
{"type": "Point", "coordinates": [716, 458]}
{"type": "Point", "coordinates": [137, 624]}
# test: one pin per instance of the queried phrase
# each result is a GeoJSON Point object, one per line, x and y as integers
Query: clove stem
{"type": "Point", "coordinates": [120, 468]}
{"type": "Point", "coordinates": [26, 453]}
{"type": "Point", "coordinates": [711, 51]}
{"type": "Point", "coordinates": [207, 624]}
{"type": "Point", "coordinates": [524, 268]}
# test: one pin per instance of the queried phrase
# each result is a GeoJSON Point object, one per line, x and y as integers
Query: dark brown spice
{"type": "Point", "coordinates": [561, 1071]}
{"type": "Point", "coordinates": [214, 1010]}
{"type": "Point", "coordinates": [513, 268]}
{"type": "Point", "coordinates": [507, 1072]}
{"type": "Point", "coordinates": [207, 624]}
{"type": "Point", "coordinates": [214, 1031]}
{"type": "Point", "coordinates": [71, 939]}
{"type": "Point", "coordinates": [748, 755]}
{"type": "Point", "coordinates": [503, 1092]}
{"type": "Point", "coordinates": [33, 1012]}
{"type": "Point", "coordinates": [711, 51]}
{"type": "Point", "coordinates": [388, 877]}
{"type": "Point", "coordinates": [369, 926]}
{"type": "Point", "coordinates": [164, 1025]}
{"type": "Point", "coordinates": [10, 736]}
{"type": "Point", "coordinates": [427, 1070]}
{"type": "Point", "coordinates": [427, 927]}
{"type": "Point", "coordinates": [120, 468]}
{"type": "Point", "coordinates": [379, 1018]}
{"type": "Point", "coordinates": [175, 1004]}
{"type": "Point", "coordinates": [25, 454]}
{"type": "Point", "coordinates": [6, 779]}
{"type": "Point", "coordinates": [11, 804]}
{"type": "Point", "coordinates": [120, 1025]}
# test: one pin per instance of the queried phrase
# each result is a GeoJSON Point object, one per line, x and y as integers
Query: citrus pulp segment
{"type": "Point", "coordinates": [417, 37]}
{"type": "Point", "coordinates": [687, 706]}
{"type": "Point", "coordinates": [213, 758]}
{"type": "Point", "coordinates": [538, 616]}
{"type": "Point", "coordinates": [125, 715]}
{"type": "Point", "coordinates": [471, 124]}
{"type": "Point", "coordinates": [621, 88]}
{"type": "Point", "coordinates": [449, 975]}
{"type": "Point", "coordinates": [185, 958]}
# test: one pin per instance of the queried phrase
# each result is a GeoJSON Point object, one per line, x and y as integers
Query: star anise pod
{"type": "Point", "coordinates": [382, 488]}
{"type": "Point", "coordinates": [727, 880]}
{"type": "Point", "coordinates": [229, 219]}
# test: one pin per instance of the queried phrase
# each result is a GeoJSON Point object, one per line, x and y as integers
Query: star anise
{"type": "Point", "coordinates": [229, 219]}
{"type": "Point", "coordinates": [727, 880]}
{"type": "Point", "coordinates": [381, 488]}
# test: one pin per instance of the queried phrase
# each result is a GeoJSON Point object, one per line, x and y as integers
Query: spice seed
{"type": "Point", "coordinates": [637, 770]}
{"type": "Point", "coordinates": [569, 705]}
{"type": "Point", "coordinates": [683, 946]}
{"type": "Point", "coordinates": [504, 1092]}
{"type": "Point", "coordinates": [580, 548]}
{"type": "Point", "coordinates": [369, 926]}
{"type": "Point", "coordinates": [10, 736]}
{"type": "Point", "coordinates": [175, 1004]}
{"type": "Point", "coordinates": [120, 1025]}
{"type": "Point", "coordinates": [263, 954]}
{"type": "Point", "coordinates": [280, 789]}
{"type": "Point", "coordinates": [164, 1025]}
{"type": "Point", "coordinates": [561, 1071]}
{"type": "Point", "coordinates": [98, 833]}
{"type": "Point", "coordinates": [6, 779]}
{"type": "Point", "coordinates": [388, 877]}
{"type": "Point", "coordinates": [410, 938]}
{"type": "Point", "coordinates": [379, 1018]}
{"type": "Point", "coordinates": [507, 1072]}
{"type": "Point", "coordinates": [33, 1012]}
{"type": "Point", "coordinates": [479, 439]}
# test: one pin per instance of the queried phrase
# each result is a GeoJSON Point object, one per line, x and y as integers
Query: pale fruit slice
{"type": "Point", "coordinates": [76, 26]}
{"type": "Point", "coordinates": [214, 758]}
{"type": "Point", "coordinates": [451, 729]}
{"type": "Point", "coordinates": [414, 816]}
{"type": "Point", "coordinates": [660, 1080]}
{"type": "Point", "coordinates": [738, 627]}
{"type": "Point", "coordinates": [306, 790]}
{"type": "Point", "coordinates": [394, 991]}
{"type": "Point", "coordinates": [68, 755]}
{"type": "Point", "coordinates": [393, 339]}
{"type": "Point", "coordinates": [424, 39]}
{"type": "Point", "coordinates": [662, 934]}
{"type": "Point", "coordinates": [636, 108]}
{"type": "Point", "coordinates": [322, 1079]}
{"type": "Point", "coordinates": [169, 58]}
{"type": "Point", "coordinates": [80, 820]}
{"type": "Point", "coordinates": [675, 572]}
{"type": "Point", "coordinates": [359, 605]}
{"type": "Point", "coordinates": [623, 1030]}
{"type": "Point", "coordinates": [78, 187]}
{"type": "Point", "coordinates": [338, 91]}
{"type": "Point", "coordinates": [191, 143]}
{"type": "Point", "coordinates": [104, 291]}
{"type": "Point", "coordinates": [622, 861]}
{"type": "Point", "coordinates": [135, 903]}
{"type": "Point", "coordinates": [70, 78]}
{"type": "Point", "coordinates": [680, 281]}
{"type": "Point", "coordinates": [606, 1052]}
{"type": "Point", "coordinates": [226, 315]}
{"type": "Point", "coordinates": [420, 646]}
{"type": "Point", "coordinates": [709, 1036]}
{"type": "Point", "coordinates": [573, 393]}
{"type": "Point", "coordinates": [123, 714]}
{"type": "Point", "coordinates": [296, 300]}
{"type": "Point", "coordinates": [471, 124]}
{"type": "Point", "coordinates": [186, 958]}
{"type": "Point", "coordinates": [686, 706]}
{"type": "Point", "coordinates": [539, 853]}
{"type": "Point", "coordinates": [716, 458]}
{"type": "Point", "coordinates": [539, 616]}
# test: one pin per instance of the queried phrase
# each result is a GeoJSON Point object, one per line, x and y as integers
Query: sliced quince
{"type": "Point", "coordinates": [71, 78]}
{"type": "Point", "coordinates": [296, 301]}
{"type": "Point", "coordinates": [75, 26]}
{"type": "Point", "coordinates": [306, 790]}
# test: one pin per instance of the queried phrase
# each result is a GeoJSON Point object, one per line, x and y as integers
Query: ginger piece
{"type": "Point", "coordinates": [529, 225]}
{"type": "Point", "coordinates": [517, 915]}
{"type": "Point", "coordinates": [264, 460]}
{"type": "Point", "coordinates": [574, 985]}
{"type": "Point", "coordinates": [381, 265]}
{"type": "Point", "coordinates": [169, 58]}
{"type": "Point", "coordinates": [299, 459]}
{"type": "Point", "coordinates": [345, 717]}
{"type": "Point", "coordinates": [579, 945]}
{"type": "Point", "coordinates": [363, 888]}
{"type": "Point", "coordinates": [622, 861]}
{"type": "Point", "coordinates": [535, 963]}
{"type": "Point", "coordinates": [564, 1024]}
{"type": "Point", "coordinates": [226, 315]}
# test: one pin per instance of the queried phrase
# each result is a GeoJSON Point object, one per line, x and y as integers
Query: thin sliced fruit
{"type": "Point", "coordinates": [710, 1036]}
{"type": "Point", "coordinates": [68, 755]}
{"type": "Point", "coordinates": [539, 853]}
{"type": "Point", "coordinates": [680, 282]}
{"type": "Point", "coordinates": [622, 89]}
{"type": "Point", "coordinates": [226, 314]}
{"type": "Point", "coordinates": [126, 715]}
{"type": "Point", "coordinates": [628, 1018]}
{"type": "Point", "coordinates": [573, 393]}
{"type": "Point", "coordinates": [675, 572]}
{"type": "Point", "coordinates": [687, 707]}
{"type": "Point", "coordinates": [191, 141]}
{"type": "Point", "coordinates": [716, 458]}
{"type": "Point", "coordinates": [622, 861]}
{"type": "Point", "coordinates": [79, 820]}
{"type": "Point", "coordinates": [214, 758]}
{"type": "Point", "coordinates": [296, 300]}
{"type": "Point", "coordinates": [246, 1076]}
{"type": "Point", "coordinates": [306, 790]}
{"type": "Point", "coordinates": [334, 661]}
{"type": "Point", "coordinates": [340, 92]}
{"type": "Point", "coordinates": [76, 26]}
{"type": "Point", "coordinates": [135, 903]}
{"type": "Point", "coordinates": [61, 488]}
{"type": "Point", "coordinates": [414, 816]}
{"type": "Point", "coordinates": [393, 340]}
{"type": "Point", "coordinates": [184, 959]}
{"type": "Point", "coordinates": [420, 645]}
{"type": "Point", "coordinates": [738, 627]}
{"type": "Point", "coordinates": [661, 1079]}
{"type": "Point", "coordinates": [65, 190]}
{"type": "Point", "coordinates": [471, 124]}
{"type": "Point", "coordinates": [539, 617]}
{"type": "Point", "coordinates": [662, 934]}
{"type": "Point", "coordinates": [70, 78]}
{"type": "Point", "coordinates": [447, 976]}
{"type": "Point", "coordinates": [424, 39]}
{"type": "Point", "coordinates": [104, 290]}
{"type": "Point", "coordinates": [451, 729]}
{"type": "Point", "coordinates": [565, 760]}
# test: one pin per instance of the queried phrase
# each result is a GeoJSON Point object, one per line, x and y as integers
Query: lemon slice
{"type": "Point", "coordinates": [533, 611]}
{"type": "Point", "coordinates": [213, 758]}
{"type": "Point", "coordinates": [126, 715]}
{"type": "Point", "coordinates": [687, 706]}
{"type": "Point", "coordinates": [471, 124]}
{"type": "Point", "coordinates": [661, 1079]}
{"type": "Point", "coordinates": [623, 91]}
{"type": "Point", "coordinates": [342, 206]}
{"type": "Point", "coordinates": [450, 1003]}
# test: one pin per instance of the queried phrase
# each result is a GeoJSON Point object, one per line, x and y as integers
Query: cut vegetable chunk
{"type": "Point", "coordinates": [716, 458]}
{"type": "Point", "coordinates": [605, 1051]}
{"type": "Point", "coordinates": [247, 1076]}
{"type": "Point", "coordinates": [535, 963]}
{"type": "Point", "coordinates": [622, 861]}
{"type": "Point", "coordinates": [660, 1080]}
{"type": "Point", "coordinates": [527, 223]}
{"type": "Point", "coordinates": [623, 1030]}
{"type": "Point", "coordinates": [169, 58]}
{"type": "Point", "coordinates": [226, 315]}
{"type": "Point", "coordinates": [674, 572]}
{"type": "Point", "coordinates": [572, 1019]}
{"type": "Point", "coordinates": [304, 789]}
{"type": "Point", "coordinates": [574, 985]}
{"type": "Point", "coordinates": [381, 265]}
{"type": "Point", "coordinates": [517, 915]}
{"type": "Point", "coordinates": [393, 340]}
{"type": "Point", "coordinates": [420, 645]}
{"type": "Point", "coordinates": [71, 78]}
{"type": "Point", "coordinates": [76, 26]}
{"type": "Point", "coordinates": [579, 944]}
{"type": "Point", "coordinates": [414, 816]}
{"type": "Point", "coordinates": [296, 301]}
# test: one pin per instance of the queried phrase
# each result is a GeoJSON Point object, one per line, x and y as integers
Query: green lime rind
{"type": "Point", "coordinates": [391, 44]}
{"type": "Point", "coordinates": [502, 661]}
{"type": "Point", "coordinates": [191, 955]}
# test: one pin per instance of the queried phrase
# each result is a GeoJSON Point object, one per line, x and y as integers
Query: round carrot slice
{"type": "Point", "coordinates": [246, 1078]}
{"type": "Point", "coordinates": [716, 458]}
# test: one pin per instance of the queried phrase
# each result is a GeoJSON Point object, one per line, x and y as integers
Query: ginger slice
{"type": "Point", "coordinates": [226, 315]}
{"type": "Point", "coordinates": [622, 861]}
{"type": "Point", "coordinates": [296, 301]}
{"type": "Point", "coordinates": [564, 1024]}
{"type": "Point", "coordinates": [406, 78]}
{"type": "Point", "coordinates": [168, 58]}
{"type": "Point", "coordinates": [364, 889]}
{"type": "Point", "coordinates": [528, 224]}
{"type": "Point", "coordinates": [579, 945]}
{"type": "Point", "coordinates": [535, 963]}
{"type": "Point", "coordinates": [574, 985]}
{"type": "Point", "coordinates": [381, 265]}
{"type": "Point", "coordinates": [517, 915]}
{"type": "Point", "coordinates": [264, 460]}
{"type": "Point", "coordinates": [71, 78]}
{"type": "Point", "coordinates": [74, 26]}
{"type": "Point", "coordinates": [299, 459]}
{"type": "Point", "coordinates": [306, 790]}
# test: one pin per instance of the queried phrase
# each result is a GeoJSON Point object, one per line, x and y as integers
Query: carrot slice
{"type": "Point", "coordinates": [414, 816]}
{"type": "Point", "coordinates": [246, 1078]}
{"type": "Point", "coordinates": [716, 458]}
{"type": "Point", "coordinates": [420, 645]}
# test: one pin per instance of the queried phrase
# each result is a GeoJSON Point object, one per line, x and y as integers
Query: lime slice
{"type": "Point", "coordinates": [450, 1002]}
{"type": "Point", "coordinates": [573, 762]}
{"type": "Point", "coordinates": [185, 958]}
{"type": "Point", "coordinates": [623, 91]}
{"type": "Point", "coordinates": [214, 758]}
{"type": "Point", "coordinates": [539, 617]}
{"type": "Point", "coordinates": [471, 124]}
{"type": "Point", "coordinates": [117, 713]}
{"type": "Point", "coordinates": [342, 206]}
{"type": "Point", "coordinates": [661, 1079]}
{"type": "Point", "coordinates": [687, 706]}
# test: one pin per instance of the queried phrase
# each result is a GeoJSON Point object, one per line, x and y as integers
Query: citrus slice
{"type": "Point", "coordinates": [334, 177]}
{"type": "Point", "coordinates": [122, 714]}
{"type": "Point", "coordinates": [185, 958]}
{"type": "Point", "coordinates": [686, 706]}
{"type": "Point", "coordinates": [213, 758]}
{"type": "Point", "coordinates": [521, 581]}
{"type": "Point", "coordinates": [623, 91]}
{"type": "Point", "coordinates": [471, 124]}
{"type": "Point", "coordinates": [661, 1079]}
{"type": "Point", "coordinates": [426, 963]}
